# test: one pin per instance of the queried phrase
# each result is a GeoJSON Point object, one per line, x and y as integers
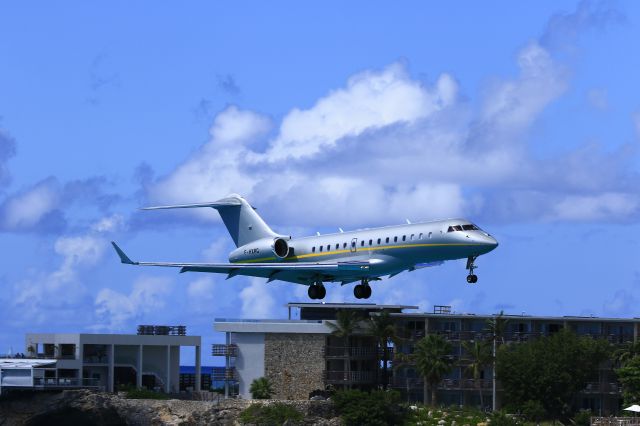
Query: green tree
{"type": "Point", "coordinates": [433, 361]}
{"type": "Point", "coordinates": [344, 327]}
{"type": "Point", "coordinates": [480, 356]}
{"type": "Point", "coordinates": [260, 388]}
{"type": "Point", "coordinates": [376, 408]}
{"type": "Point", "coordinates": [550, 370]}
{"type": "Point", "coordinates": [382, 328]}
{"type": "Point", "coordinates": [626, 353]}
{"type": "Point", "coordinates": [629, 378]}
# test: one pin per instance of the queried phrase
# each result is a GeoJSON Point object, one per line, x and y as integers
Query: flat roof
{"type": "Point", "coordinates": [516, 317]}
{"type": "Point", "coordinates": [272, 326]}
{"type": "Point", "coordinates": [368, 306]}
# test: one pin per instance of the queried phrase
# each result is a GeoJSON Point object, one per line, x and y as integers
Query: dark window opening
{"type": "Point", "coordinates": [345, 245]}
{"type": "Point", "coordinates": [404, 238]}
{"type": "Point", "coordinates": [320, 248]}
{"type": "Point", "coordinates": [313, 249]}
{"type": "Point", "coordinates": [328, 247]}
{"type": "Point", "coordinates": [337, 246]}
{"type": "Point", "coordinates": [387, 240]}
{"type": "Point", "coordinates": [370, 242]}
{"type": "Point", "coordinates": [395, 239]}
{"type": "Point", "coordinates": [362, 243]}
{"type": "Point", "coordinates": [470, 228]}
{"type": "Point", "coordinates": [379, 240]}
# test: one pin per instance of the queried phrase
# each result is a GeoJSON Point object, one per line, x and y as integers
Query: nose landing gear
{"type": "Point", "coordinates": [317, 291]}
{"type": "Point", "coordinates": [362, 290]}
{"type": "Point", "coordinates": [471, 278]}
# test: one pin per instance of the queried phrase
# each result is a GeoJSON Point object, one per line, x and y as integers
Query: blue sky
{"type": "Point", "coordinates": [523, 117]}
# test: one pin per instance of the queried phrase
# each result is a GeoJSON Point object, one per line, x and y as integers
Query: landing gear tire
{"type": "Point", "coordinates": [472, 279]}
{"type": "Point", "coordinates": [317, 291]}
{"type": "Point", "coordinates": [362, 291]}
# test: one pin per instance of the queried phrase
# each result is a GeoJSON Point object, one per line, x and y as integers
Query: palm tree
{"type": "Point", "coordinates": [496, 327]}
{"type": "Point", "coordinates": [481, 356]}
{"type": "Point", "coordinates": [260, 388]}
{"type": "Point", "coordinates": [383, 329]}
{"type": "Point", "coordinates": [344, 327]}
{"type": "Point", "coordinates": [626, 353]}
{"type": "Point", "coordinates": [433, 361]}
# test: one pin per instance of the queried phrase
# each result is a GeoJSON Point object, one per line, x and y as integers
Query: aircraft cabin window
{"type": "Point", "coordinates": [379, 240]}
{"type": "Point", "coordinates": [429, 234]}
{"type": "Point", "coordinates": [420, 236]}
{"type": "Point", "coordinates": [313, 249]}
{"type": "Point", "coordinates": [404, 238]}
{"type": "Point", "coordinates": [337, 246]}
{"type": "Point", "coordinates": [362, 243]}
{"type": "Point", "coordinates": [412, 235]}
{"type": "Point", "coordinates": [344, 246]}
{"type": "Point", "coordinates": [370, 242]}
{"type": "Point", "coordinates": [328, 247]}
{"type": "Point", "coordinates": [320, 248]}
{"type": "Point", "coordinates": [395, 239]}
{"type": "Point", "coordinates": [387, 240]}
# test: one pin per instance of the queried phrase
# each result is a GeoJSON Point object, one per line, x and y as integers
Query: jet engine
{"type": "Point", "coordinates": [262, 250]}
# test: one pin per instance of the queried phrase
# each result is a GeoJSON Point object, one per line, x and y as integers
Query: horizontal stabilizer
{"type": "Point", "coordinates": [225, 202]}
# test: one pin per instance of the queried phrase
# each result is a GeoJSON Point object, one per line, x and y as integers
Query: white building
{"type": "Point", "coordinates": [110, 360]}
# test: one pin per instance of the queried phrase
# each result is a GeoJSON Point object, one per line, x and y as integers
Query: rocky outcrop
{"type": "Point", "coordinates": [93, 408]}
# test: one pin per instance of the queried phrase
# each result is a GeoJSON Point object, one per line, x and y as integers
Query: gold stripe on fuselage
{"type": "Point", "coordinates": [329, 253]}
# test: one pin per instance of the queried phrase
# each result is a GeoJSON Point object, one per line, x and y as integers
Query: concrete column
{"type": "Point", "coordinates": [198, 384]}
{"type": "Point", "coordinates": [111, 375]}
{"type": "Point", "coordinates": [139, 368]}
{"type": "Point", "coordinates": [168, 382]}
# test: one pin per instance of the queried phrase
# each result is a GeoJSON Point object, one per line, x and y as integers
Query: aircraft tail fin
{"type": "Point", "coordinates": [242, 221]}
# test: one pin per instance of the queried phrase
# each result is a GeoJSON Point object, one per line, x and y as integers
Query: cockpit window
{"type": "Point", "coordinates": [467, 227]}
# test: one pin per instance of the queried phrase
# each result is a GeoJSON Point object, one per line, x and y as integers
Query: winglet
{"type": "Point", "coordinates": [123, 257]}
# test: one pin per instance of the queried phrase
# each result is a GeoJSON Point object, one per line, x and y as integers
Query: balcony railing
{"type": "Point", "coordinates": [62, 382]}
{"type": "Point", "coordinates": [336, 377]}
{"type": "Point", "coordinates": [218, 349]}
{"type": "Point", "coordinates": [224, 374]}
{"type": "Point", "coordinates": [356, 352]}
{"type": "Point", "coordinates": [595, 387]}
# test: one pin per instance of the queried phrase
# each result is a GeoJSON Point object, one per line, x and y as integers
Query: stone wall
{"type": "Point", "coordinates": [294, 364]}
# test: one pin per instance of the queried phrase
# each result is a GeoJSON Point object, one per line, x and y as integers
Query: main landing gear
{"type": "Point", "coordinates": [362, 290]}
{"type": "Point", "coordinates": [317, 291]}
{"type": "Point", "coordinates": [471, 278]}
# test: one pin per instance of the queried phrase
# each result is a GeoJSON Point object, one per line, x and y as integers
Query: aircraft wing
{"type": "Point", "coordinates": [300, 272]}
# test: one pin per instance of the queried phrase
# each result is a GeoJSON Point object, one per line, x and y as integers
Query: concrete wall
{"type": "Point", "coordinates": [250, 361]}
{"type": "Point", "coordinates": [294, 364]}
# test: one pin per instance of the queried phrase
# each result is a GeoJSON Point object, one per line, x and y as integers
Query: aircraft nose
{"type": "Point", "coordinates": [488, 242]}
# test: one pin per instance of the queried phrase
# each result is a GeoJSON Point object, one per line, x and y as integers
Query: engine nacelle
{"type": "Point", "coordinates": [262, 250]}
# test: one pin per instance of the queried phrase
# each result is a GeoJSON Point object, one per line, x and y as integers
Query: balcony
{"type": "Point", "coordinates": [224, 374]}
{"type": "Point", "coordinates": [599, 388]}
{"type": "Point", "coordinates": [356, 352]}
{"type": "Point", "coordinates": [224, 350]}
{"type": "Point", "coordinates": [353, 377]}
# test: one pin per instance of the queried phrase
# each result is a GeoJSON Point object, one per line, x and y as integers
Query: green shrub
{"type": "Point", "coordinates": [533, 411]}
{"type": "Point", "coordinates": [500, 418]}
{"type": "Point", "coordinates": [376, 408]}
{"type": "Point", "coordinates": [582, 418]}
{"type": "Point", "coordinates": [270, 415]}
{"type": "Point", "coordinates": [144, 394]}
{"type": "Point", "coordinates": [260, 388]}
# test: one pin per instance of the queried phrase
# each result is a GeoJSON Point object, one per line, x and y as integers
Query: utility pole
{"type": "Point", "coordinates": [493, 399]}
